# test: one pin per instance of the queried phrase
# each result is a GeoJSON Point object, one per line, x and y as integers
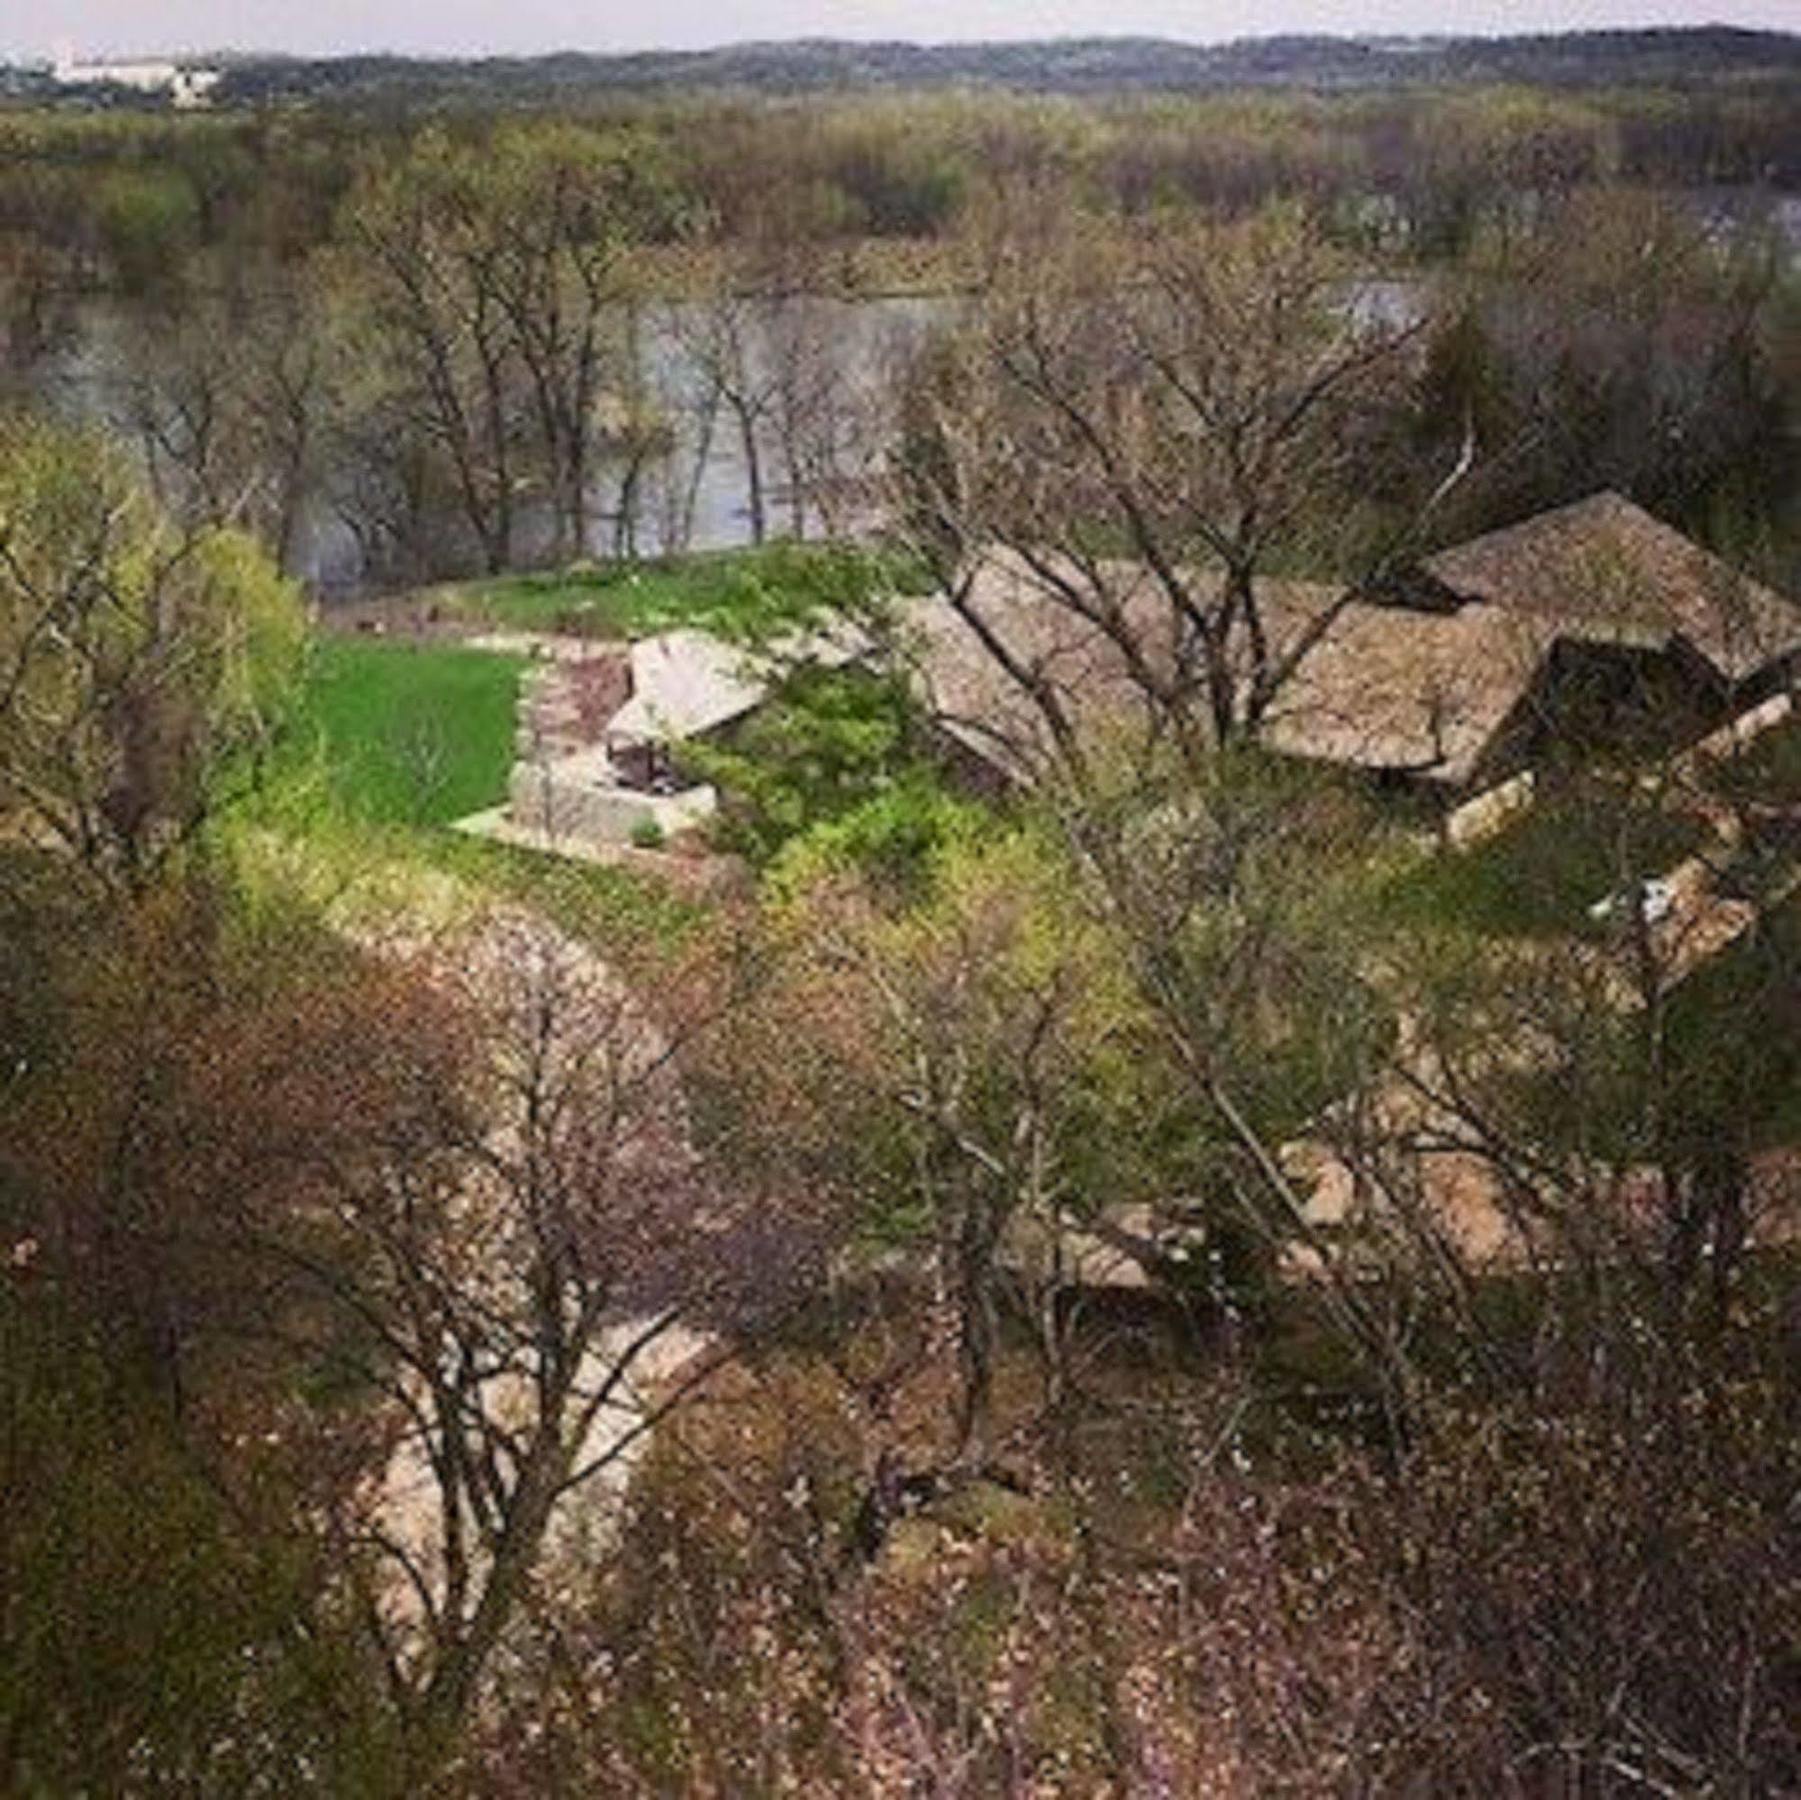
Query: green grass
{"type": "Point", "coordinates": [400, 734]}
{"type": "Point", "coordinates": [392, 742]}
{"type": "Point", "coordinates": [608, 908]}
{"type": "Point", "coordinates": [1735, 1035]}
{"type": "Point", "coordinates": [1767, 770]}
{"type": "Point", "coordinates": [736, 592]}
{"type": "Point", "coordinates": [1727, 1072]}
{"type": "Point", "coordinates": [597, 603]}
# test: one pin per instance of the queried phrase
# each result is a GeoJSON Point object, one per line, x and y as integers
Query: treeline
{"type": "Point", "coordinates": [510, 338]}
{"type": "Point", "coordinates": [1069, 65]}
{"type": "Point", "coordinates": [1415, 167]}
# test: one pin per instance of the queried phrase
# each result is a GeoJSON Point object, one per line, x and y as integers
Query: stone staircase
{"type": "Point", "coordinates": [564, 706]}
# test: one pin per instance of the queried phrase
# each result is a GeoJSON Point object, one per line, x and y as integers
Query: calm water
{"type": "Point", "coordinates": [694, 495]}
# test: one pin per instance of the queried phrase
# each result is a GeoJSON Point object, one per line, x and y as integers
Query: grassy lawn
{"type": "Point", "coordinates": [597, 603]}
{"type": "Point", "coordinates": [1540, 876]}
{"type": "Point", "coordinates": [1735, 1034]}
{"type": "Point", "coordinates": [734, 591]}
{"type": "Point", "coordinates": [614, 910]}
{"type": "Point", "coordinates": [1731, 1060]}
{"type": "Point", "coordinates": [401, 734]}
{"type": "Point", "coordinates": [391, 743]}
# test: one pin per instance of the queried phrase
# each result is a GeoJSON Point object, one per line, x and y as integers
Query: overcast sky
{"type": "Point", "coordinates": [460, 27]}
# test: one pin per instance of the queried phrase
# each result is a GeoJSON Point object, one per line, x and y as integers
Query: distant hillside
{"type": "Point", "coordinates": [1076, 65]}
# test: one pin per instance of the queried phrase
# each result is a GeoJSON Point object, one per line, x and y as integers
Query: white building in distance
{"type": "Point", "coordinates": [185, 88]}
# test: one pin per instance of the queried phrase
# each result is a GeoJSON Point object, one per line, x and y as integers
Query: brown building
{"type": "Point", "coordinates": [1595, 626]}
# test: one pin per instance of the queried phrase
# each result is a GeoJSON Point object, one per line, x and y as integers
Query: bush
{"type": "Point", "coordinates": [832, 744]}
{"type": "Point", "coordinates": [892, 836]}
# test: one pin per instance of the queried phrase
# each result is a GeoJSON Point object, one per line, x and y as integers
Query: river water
{"type": "Point", "coordinates": [694, 494]}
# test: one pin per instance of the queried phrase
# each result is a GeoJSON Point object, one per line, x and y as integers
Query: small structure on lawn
{"type": "Point", "coordinates": [621, 780]}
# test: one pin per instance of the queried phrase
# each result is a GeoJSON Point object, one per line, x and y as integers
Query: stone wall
{"type": "Point", "coordinates": [580, 797]}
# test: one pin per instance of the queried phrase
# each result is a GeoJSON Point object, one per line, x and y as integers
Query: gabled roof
{"type": "Point", "coordinates": [1606, 571]}
{"type": "Point", "coordinates": [1423, 693]}
{"type": "Point", "coordinates": [1426, 692]}
{"type": "Point", "coordinates": [977, 701]}
{"type": "Point", "coordinates": [686, 683]}
{"type": "Point", "coordinates": [1382, 688]}
{"type": "Point", "coordinates": [1385, 687]}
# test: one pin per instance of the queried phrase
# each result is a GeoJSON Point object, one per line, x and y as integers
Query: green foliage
{"type": "Point", "coordinates": [893, 836]}
{"type": "Point", "coordinates": [1252, 889]}
{"type": "Point", "coordinates": [614, 909]}
{"type": "Point", "coordinates": [256, 662]}
{"type": "Point", "coordinates": [647, 834]}
{"type": "Point", "coordinates": [972, 1037]}
{"type": "Point", "coordinates": [1734, 1044]}
{"type": "Point", "coordinates": [983, 983]}
{"type": "Point", "coordinates": [746, 596]}
{"type": "Point", "coordinates": [1540, 876]}
{"type": "Point", "coordinates": [145, 664]}
{"type": "Point", "coordinates": [900, 190]}
{"type": "Point", "coordinates": [149, 221]}
{"type": "Point", "coordinates": [151, 1639]}
{"type": "Point", "coordinates": [1611, 338]}
{"type": "Point", "coordinates": [837, 753]}
{"type": "Point", "coordinates": [614, 184]}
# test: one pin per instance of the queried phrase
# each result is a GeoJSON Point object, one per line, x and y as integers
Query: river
{"type": "Point", "coordinates": [694, 493]}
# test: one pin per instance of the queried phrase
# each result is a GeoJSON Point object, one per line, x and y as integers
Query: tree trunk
{"type": "Point", "coordinates": [753, 473]}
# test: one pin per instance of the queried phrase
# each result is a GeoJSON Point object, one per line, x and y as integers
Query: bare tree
{"type": "Point", "coordinates": [724, 332]}
{"type": "Point", "coordinates": [226, 396]}
{"type": "Point", "coordinates": [567, 205]}
{"type": "Point", "coordinates": [530, 1263]}
{"type": "Point", "coordinates": [1146, 430]}
{"type": "Point", "coordinates": [438, 344]}
{"type": "Point", "coordinates": [1621, 342]}
{"type": "Point", "coordinates": [498, 330]}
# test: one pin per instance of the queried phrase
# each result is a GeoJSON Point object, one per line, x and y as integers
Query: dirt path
{"type": "Point", "coordinates": [510, 957]}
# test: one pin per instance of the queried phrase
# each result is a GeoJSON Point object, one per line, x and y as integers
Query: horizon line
{"type": "Point", "coordinates": [220, 52]}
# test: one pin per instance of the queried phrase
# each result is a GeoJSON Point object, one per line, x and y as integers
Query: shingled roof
{"type": "Point", "coordinates": [1385, 687]}
{"type": "Point", "coordinates": [1414, 692]}
{"type": "Point", "coordinates": [1606, 571]}
{"type": "Point", "coordinates": [978, 702]}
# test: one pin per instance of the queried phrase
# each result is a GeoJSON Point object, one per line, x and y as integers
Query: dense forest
{"type": "Point", "coordinates": [707, 234]}
{"type": "Point", "coordinates": [1679, 57]}
{"type": "Point", "coordinates": [1085, 1253]}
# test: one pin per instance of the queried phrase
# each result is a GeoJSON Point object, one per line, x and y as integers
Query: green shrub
{"type": "Point", "coordinates": [748, 596]}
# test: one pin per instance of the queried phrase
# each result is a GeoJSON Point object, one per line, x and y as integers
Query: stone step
{"type": "Point", "coordinates": [533, 746]}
